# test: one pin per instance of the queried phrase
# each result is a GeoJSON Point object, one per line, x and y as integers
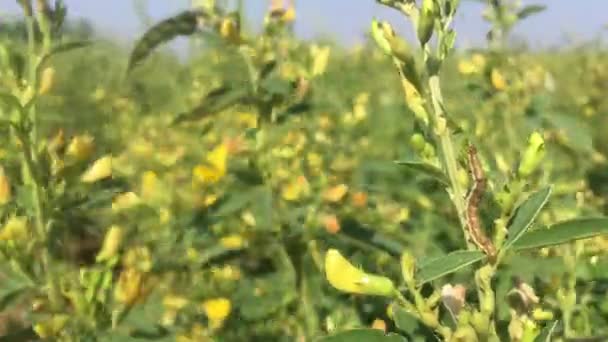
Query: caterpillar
{"type": "Point", "coordinates": [476, 233]}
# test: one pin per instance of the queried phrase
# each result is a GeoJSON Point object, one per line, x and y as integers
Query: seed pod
{"type": "Point", "coordinates": [426, 21]}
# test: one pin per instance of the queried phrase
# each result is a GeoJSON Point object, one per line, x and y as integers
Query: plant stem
{"type": "Point", "coordinates": [447, 150]}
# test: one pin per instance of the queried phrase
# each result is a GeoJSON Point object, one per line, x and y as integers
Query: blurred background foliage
{"type": "Point", "coordinates": [235, 247]}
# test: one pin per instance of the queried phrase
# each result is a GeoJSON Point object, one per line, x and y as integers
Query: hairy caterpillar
{"type": "Point", "coordinates": [476, 233]}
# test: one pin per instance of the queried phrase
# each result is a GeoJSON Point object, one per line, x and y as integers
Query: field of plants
{"type": "Point", "coordinates": [272, 189]}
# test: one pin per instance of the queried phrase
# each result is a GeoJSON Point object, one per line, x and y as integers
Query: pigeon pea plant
{"type": "Point", "coordinates": [444, 154]}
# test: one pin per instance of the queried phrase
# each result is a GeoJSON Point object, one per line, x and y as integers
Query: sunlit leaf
{"type": "Point", "coordinates": [444, 265]}
{"type": "Point", "coordinates": [563, 232]}
{"type": "Point", "coordinates": [526, 214]}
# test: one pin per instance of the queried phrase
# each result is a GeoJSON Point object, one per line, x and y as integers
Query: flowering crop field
{"type": "Point", "coordinates": [272, 189]}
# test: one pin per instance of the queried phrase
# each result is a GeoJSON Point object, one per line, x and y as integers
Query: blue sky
{"type": "Point", "coordinates": [347, 20]}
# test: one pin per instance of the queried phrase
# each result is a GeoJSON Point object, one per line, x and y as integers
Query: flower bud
{"type": "Point", "coordinates": [101, 169]}
{"type": "Point", "coordinates": [5, 188]}
{"type": "Point", "coordinates": [533, 155]}
{"type": "Point", "coordinates": [46, 81]}
{"type": "Point", "coordinates": [378, 36]}
{"type": "Point", "coordinates": [426, 21]}
{"type": "Point", "coordinates": [345, 277]}
{"type": "Point", "coordinates": [51, 327]}
{"type": "Point", "coordinates": [408, 268]}
{"type": "Point", "coordinates": [111, 243]}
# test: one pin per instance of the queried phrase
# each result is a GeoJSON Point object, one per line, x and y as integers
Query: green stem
{"type": "Point", "coordinates": [447, 151]}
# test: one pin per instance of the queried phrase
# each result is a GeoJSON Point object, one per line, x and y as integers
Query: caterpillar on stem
{"type": "Point", "coordinates": [476, 233]}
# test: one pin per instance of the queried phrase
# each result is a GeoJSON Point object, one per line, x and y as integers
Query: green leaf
{"type": "Point", "coordinates": [61, 48]}
{"type": "Point", "coordinates": [404, 320]}
{"type": "Point", "coordinates": [525, 215]}
{"type": "Point", "coordinates": [444, 265]}
{"type": "Point", "coordinates": [362, 335]}
{"type": "Point", "coordinates": [183, 24]}
{"type": "Point", "coordinates": [13, 283]}
{"type": "Point", "coordinates": [563, 232]}
{"type": "Point", "coordinates": [277, 290]}
{"type": "Point", "coordinates": [546, 334]}
{"type": "Point", "coordinates": [530, 10]}
{"type": "Point", "coordinates": [426, 169]}
{"type": "Point", "coordinates": [217, 100]}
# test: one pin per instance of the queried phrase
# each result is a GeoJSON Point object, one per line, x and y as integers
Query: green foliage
{"type": "Point", "coordinates": [234, 173]}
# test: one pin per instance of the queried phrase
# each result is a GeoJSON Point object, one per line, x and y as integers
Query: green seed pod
{"type": "Point", "coordinates": [426, 21]}
{"type": "Point", "coordinates": [533, 155]}
{"type": "Point", "coordinates": [418, 142]}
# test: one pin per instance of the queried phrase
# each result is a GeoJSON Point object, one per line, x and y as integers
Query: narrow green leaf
{"type": "Point", "coordinates": [546, 334]}
{"type": "Point", "coordinates": [563, 232]}
{"type": "Point", "coordinates": [183, 24]}
{"type": "Point", "coordinates": [526, 214]}
{"type": "Point", "coordinates": [362, 335]}
{"type": "Point", "coordinates": [12, 101]}
{"type": "Point", "coordinates": [426, 169]}
{"type": "Point", "coordinates": [530, 10]}
{"type": "Point", "coordinates": [444, 265]}
{"type": "Point", "coordinates": [217, 100]}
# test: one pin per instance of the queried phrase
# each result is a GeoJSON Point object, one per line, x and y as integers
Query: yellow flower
{"type": "Point", "coordinates": [215, 167]}
{"type": "Point", "coordinates": [217, 310]}
{"type": "Point", "coordinates": [247, 119]}
{"type": "Point", "coordinates": [149, 184]}
{"type": "Point", "coordinates": [51, 327]}
{"type": "Point", "coordinates": [129, 287]}
{"type": "Point", "coordinates": [101, 169]}
{"type": "Point", "coordinates": [498, 80]}
{"type": "Point", "coordinates": [345, 277]}
{"type": "Point", "coordinates": [125, 201]}
{"type": "Point", "coordinates": [320, 58]}
{"type": "Point", "coordinates": [111, 243]}
{"type": "Point", "coordinates": [138, 258]}
{"type": "Point", "coordinates": [175, 302]}
{"type": "Point", "coordinates": [336, 193]}
{"type": "Point", "coordinates": [5, 188]}
{"type": "Point", "coordinates": [81, 147]}
{"type": "Point", "coordinates": [232, 241]}
{"type": "Point", "coordinates": [46, 80]}
{"type": "Point", "coordinates": [16, 229]}
{"type": "Point", "coordinates": [229, 30]}
{"type": "Point", "coordinates": [295, 190]}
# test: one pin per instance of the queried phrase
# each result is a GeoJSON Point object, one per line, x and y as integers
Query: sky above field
{"type": "Point", "coordinates": [347, 20]}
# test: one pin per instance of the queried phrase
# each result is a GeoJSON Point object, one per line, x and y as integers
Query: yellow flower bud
{"type": "Point", "coordinates": [533, 155]}
{"type": "Point", "coordinates": [111, 243]}
{"type": "Point", "coordinates": [52, 326]}
{"type": "Point", "coordinates": [46, 80]}
{"type": "Point", "coordinates": [498, 80]}
{"type": "Point", "coordinates": [81, 147]}
{"type": "Point", "coordinates": [232, 241]}
{"type": "Point", "coordinates": [101, 169]}
{"type": "Point", "coordinates": [345, 277]}
{"type": "Point", "coordinates": [426, 21]}
{"type": "Point", "coordinates": [138, 258]}
{"type": "Point", "coordinates": [5, 188]}
{"type": "Point", "coordinates": [408, 268]}
{"type": "Point", "coordinates": [15, 229]}
{"type": "Point", "coordinates": [129, 287]}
